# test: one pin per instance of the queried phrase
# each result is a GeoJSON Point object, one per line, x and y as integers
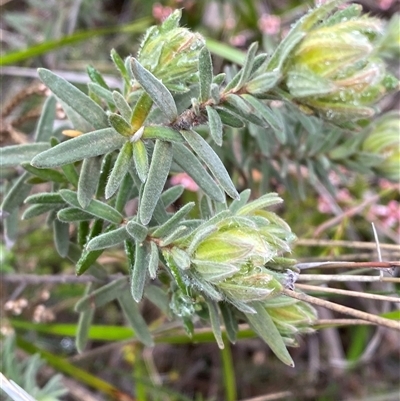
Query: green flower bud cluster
{"type": "Point", "coordinates": [335, 69]}
{"type": "Point", "coordinates": [231, 253]}
{"type": "Point", "coordinates": [171, 53]}
{"type": "Point", "coordinates": [384, 140]}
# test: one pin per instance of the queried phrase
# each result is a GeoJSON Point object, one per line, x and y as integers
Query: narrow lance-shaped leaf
{"type": "Point", "coordinates": [44, 197]}
{"type": "Point", "coordinates": [119, 170]}
{"type": "Point", "coordinates": [173, 222]}
{"type": "Point", "coordinates": [44, 128]}
{"type": "Point", "coordinates": [248, 66]}
{"type": "Point", "coordinates": [263, 82]}
{"type": "Point", "coordinates": [163, 133]}
{"type": "Point", "coordinates": [61, 237]}
{"type": "Point", "coordinates": [141, 111]}
{"type": "Point", "coordinates": [92, 144]}
{"type": "Point", "coordinates": [172, 194]}
{"type": "Point", "coordinates": [88, 180]}
{"type": "Point", "coordinates": [84, 323]}
{"type": "Point", "coordinates": [230, 322]}
{"type": "Point", "coordinates": [102, 295]}
{"type": "Point", "coordinates": [238, 203]}
{"type": "Point", "coordinates": [205, 74]}
{"type": "Point", "coordinates": [108, 239]}
{"type": "Point", "coordinates": [120, 125]}
{"type": "Point", "coordinates": [140, 159]}
{"type": "Point", "coordinates": [153, 260]}
{"type": "Point", "coordinates": [191, 165]}
{"type": "Point", "coordinates": [105, 171]}
{"type": "Point", "coordinates": [96, 77]}
{"type": "Point", "coordinates": [122, 106]}
{"type": "Point", "coordinates": [14, 155]}
{"type": "Point", "coordinates": [215, 122]}
{"type": "Point", "coordinates": [263, 325]}
{"type": "Point", "coordinates": [76, 99]}
{"type": "Point", "coordinates": [135, 319]}
{"type": "Point", "coordinates": [119, 63]}
{"type": "Point", "coordinates": [37, 210]}
{"type": "Point", "coordinates": [211, 159]}
{"type": "Point", "coordinates": [215, 322]}
{"type": "Point", "coordinates": [160, 95]}
{"type": "Point", "coordinates": [99, 92]}
{"type": "Point", "coordinates": [45, 174]}
{"type": "Point", "coordinates": [136, 230]}
{"type": "Point", "coordinates": [138, 262]}
{"type": "Point", "coordinates": [71, 214]}
{"type": "Point", "coordinates": [158, 173]}
{"type": "Point", "coordinates": [16, 194]}
{"type": "Point", "coordinates": [228, 118]}
{"type": "Point", "coordinates": [95, 207]}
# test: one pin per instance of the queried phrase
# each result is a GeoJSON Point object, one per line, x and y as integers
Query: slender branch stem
{"type": "Point", "coordinates": [392, 324]}
{"type": "Point", "coordinates": [33, 279]}
{"type": "Point", "coordinates": [357, 294]}
{"type": "Point", "coordinates": [346, 244]}
{"type": "Point", "coordinates": [348, 265]}
{"type": "Point", "coordinates": [346, 278]}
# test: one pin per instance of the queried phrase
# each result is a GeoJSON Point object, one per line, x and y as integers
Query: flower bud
{"type": "Point", "coordinates": [384, 139]}
{"type": "Point", "coordinates": [334, 70]}
{"type": "Point", "coordinates": [171, 53]}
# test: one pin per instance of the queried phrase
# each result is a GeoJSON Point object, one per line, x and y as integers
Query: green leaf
{"type": "Point", "coordinates": [119, 63]}
{"type": "Point", "coordinates": [215, 272]}
{"type": "Point", "coordinates": [44, 197]}
{"type": "Point", "coordinates": [141, 111]}
{"type": "Point", "coordinates": [153, 261]}
{"type": "Point", "coordinates": [136, 230]}
{"type": "Point", "coordinates": [44, 128]}
{"type": "Point", "coordinates": [177, 234]}
{"type": "Point", "coordinates": [88, 180]}
{"type": "Point", "coordinates": [305, 83]}
{"type": "Point", "coordinates": [120, 124]}
{"type": "Point", "coordinates": [171, 195]}
{"type": "Point", "coordinates": [138, 265]}
{"type": "Point", "coordinates": [119, 170]}
{"type": "Point", "coordinates": [92, 144]}
{"type": "Point", "coordinates": [205, 74]}
{"type": "Point", "coordinates": [238, 203]}
{"type": "Point", "coordinates": [230, 322]}
{"type": "Point", "coordinates": [102, 295]}
{"type": "Point", "coordinates": [215, 322]}
{"type": "Point", "coordinates": [158, 173]}
{"type": "Point", "coordinates": [228, 118]}
{"type": "Point", "coordinates": [102, 93]}
{"type": "Point", "coordinates": [96, 77]}
{"type": "Point", "coordinates": [173, 222]}
{"type": "Point", "coordinates": [14, 155]}
{"type": "Point", "coordinates": [215, 122]}
{"type": "Point", "coordinates": [263, 325]}
{"type": "Point", "coordinates": [84, 322]}
{"type": "Point", "coordinates": [87, 259]}
{"type": "Point", "coordinates": [61, 237]}
{"type": "Point", "coordinates": [105, 171]}
{"type": "Point", "coordinates": [140, 159]}
{"type": "Point", "coordinates": [45, 174]}
{"type": "Point", "coordinates": [225, 51]}
{"type": "Point", "coordinates": [74, 98]}
{"type": "Point", "coordinates": [262, 202]}
{"type": "Point", "coordinates": [160, 95]}
{"type": "Point", "coordinates": [200, 234]}
{"type": "Point", "coordinates": [161, 132]}
{"type": "Point", "coordinates": [127, 191]}
{"type": "Point", "coordinates": [238, 105]}
{"type": "Point", "coordinates": [16, 195]}
{"type": "Point", "coordinates": [108, 239]}
{"type": "Point", "coordinates": [135, 319]}
{"type": "Point", "coordinates": [71, 174]}
{"type": "Point", "coordinates": [213, 162]}
{"type": "Point", "coordinates": [247, 67]}
{"type": "Point", "coordinates": [262, 83]}
{"type": "Point", "coordinates": [122, 106]}
{"type": "Point", "coordinates": [37, 210]}
{"type": "Point", "coordinates": [71, 214]}
{"type": "Point", "coordinates": [180, 257]}
{"type": "Point", "coordinates": [95, 207]}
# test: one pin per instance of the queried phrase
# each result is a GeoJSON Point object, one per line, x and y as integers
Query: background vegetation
{"type": "Point", "coordinates": [331, 216]}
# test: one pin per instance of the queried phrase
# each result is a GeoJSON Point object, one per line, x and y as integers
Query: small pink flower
{"type": "Point", "coordinates": [160, 13]}
{"type": "Point", "coordinates": [184, 180]}
{"type": "Point", "coordinates": [269, 24]}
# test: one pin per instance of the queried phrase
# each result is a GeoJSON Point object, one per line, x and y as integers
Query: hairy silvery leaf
{"type": "Point", "coordinates": [264, 326]}
{"type": "Point", "coordinates": [14, 155]}
{"type": "Point", "coordinates": [216, 129]}
{"type": "Point", "coordinates": [214, 272]}
{"type": "Point", "coordinates": [172, 194]}
{"type": "Point", "coordinates": [136, 230]}
{"type": "Point", "coordinates": [120, 65]}
{"type": "Point", "coordinates": [138, 258]}
{"type": "Point", "coordinates": [158, 173]}
{"type": "Point", "coordinates": [211, 159]}
{"type": "Point", "coordinates": [228, 118]}
{"type": "Point", "coordinates": [122, 106]}
{"type": "Point", "coordinates": [44, 128]}
{"type": "Point", "coordinates": [95, 207]}
{"type": "Point", "coordinates": [153, 260]}
{"type": "Point", "coordinates": [102, 295]}
{"type": "Point", "coordinates": [71, 214]}
{"type": "Point", "coordinates": [108, 239]}
{"type": "Point", "coordinates": [88, 180]}
{"type": "Point", "coordinates": [44, 197]}
{"type": "Point", "coordinates": [132, 313]}
{"type": "Point", "coordinates": [160, 95]}
{"type": "Point", "coordinates": [173, 222]}
{"type": "Point", "coordinates": [16, 194]}
{"type": "Point", "coordinates": [102, 93]}
{"type": "Point", "coordinates": [248, 66]}
{"type": "Point", "coordinates": [96, 77]}
{"type": "Point", "coordinates": [61, 237]}
{"type": "Point", "coordinates": [162, 133]}
{"type": "Point", "coordinates": [189, 163]}
{"type": "Point", "coordinates": [230, 321]}
{"type": "Point", "coordinates": [76, 99]}
{"type": "Point", "coordinates": [205, 74]}
{"type": "Point", "coordinates": [37, 210]}
{"type": "Point", "coordinates": [92, 144]}
{"type": "Point", "coordinates": [215, 322]}
{"type": "Point", "coordinates": [177, 234]}
{"type": "Point", "coordinates": [120, 124]}
{"type": "Point", "coordinates": [140, 159]}
{"type": "Point", "coordinates": [121, 167]}
{"type": "Point", "coordinates": [238, 203]}
{"type": "Point", "coordinates": [264, 201]}
{"type": "Point", "coordinates": [238, 105]}
{"type": "Point", "coordinates": [45, 174]}
{"type": "Point", "coordinates": [84, 323]}
{"type": "Point", "coordinates": [263, 82]}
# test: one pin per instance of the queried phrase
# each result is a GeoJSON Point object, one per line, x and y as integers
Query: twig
{"type": "Point", "coordinates": [348, 293]}
{"type": "Point", "coordinates": [344, 309]}
{"type": "Point", "coordinates": [271, 397]}
{"type": "Point", "coordinates": [346, 277]}
{"type": "Point", "coordinates": [33, 279]}
{"type": "Point", "coordinates": [341, 322]}
{"type": "Point", "coordinates": [346, 244]}
{"type": "Point", "coordinates": [348, 265]}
